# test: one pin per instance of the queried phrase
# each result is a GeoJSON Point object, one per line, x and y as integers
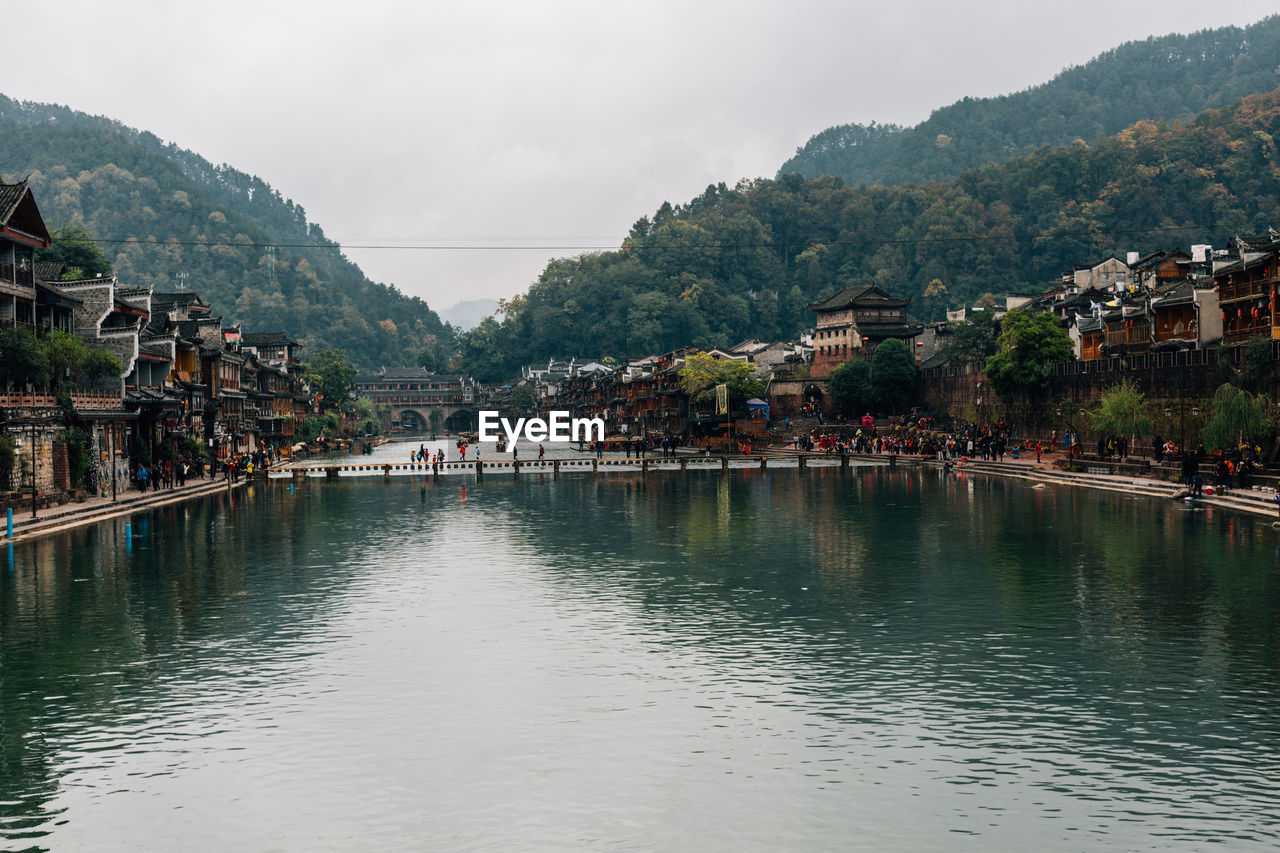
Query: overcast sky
{"type": "Point", "coordinates": [553, 125]}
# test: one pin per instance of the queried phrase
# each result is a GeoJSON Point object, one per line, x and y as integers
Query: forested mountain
{"type": "Point", "coordinates": [745, 261]}
{"type": "Point", "coordinates": [1169, 77]}
{"type": "Point", "coordinates": [169, 218]}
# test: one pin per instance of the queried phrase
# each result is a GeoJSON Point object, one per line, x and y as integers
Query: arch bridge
{"type": "Point", "coordinates": [420, 417]}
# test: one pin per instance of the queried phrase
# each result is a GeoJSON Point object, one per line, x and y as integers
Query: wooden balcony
{"type": "Point", "coordinates": [9, 274]}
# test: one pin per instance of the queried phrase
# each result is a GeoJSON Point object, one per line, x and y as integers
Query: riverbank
{"type": "Point", "coordinates": [1257, 501]}
{"type": "Point", "coordinates": [56, 519]}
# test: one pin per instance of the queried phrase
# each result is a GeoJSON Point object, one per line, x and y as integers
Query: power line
{"type": "Point", "coordinates": [427, 246]}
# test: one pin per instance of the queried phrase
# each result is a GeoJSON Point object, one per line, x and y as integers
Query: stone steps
{"type": "Point", "coordinates": [75, 514]}
{"type": "Point", "coordinates": [1257, 501]}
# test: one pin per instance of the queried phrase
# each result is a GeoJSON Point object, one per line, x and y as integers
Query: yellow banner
{"type": "Point", "coordinates": [722, 399]}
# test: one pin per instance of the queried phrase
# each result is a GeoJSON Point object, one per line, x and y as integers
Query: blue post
{"type": "Point", "coordinates": [128, 537]}
{"type": "Point", "coordinates": [8, 514]}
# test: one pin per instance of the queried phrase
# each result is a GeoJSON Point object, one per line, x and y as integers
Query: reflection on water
{"type": "Point", "coordinates": [817, 660]}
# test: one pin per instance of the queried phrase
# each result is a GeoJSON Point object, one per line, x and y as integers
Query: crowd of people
{"type": "Point", "coordinates": [919, 437]}
{"type": "Point", "coordinates": [175, 471]}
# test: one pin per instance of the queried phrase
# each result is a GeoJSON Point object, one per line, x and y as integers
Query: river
{"type": "Point", "coordinates": [785, 660]}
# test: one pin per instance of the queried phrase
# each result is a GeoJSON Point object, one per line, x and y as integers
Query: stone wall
{"type": "Point", "coordinates": [1177, 381]}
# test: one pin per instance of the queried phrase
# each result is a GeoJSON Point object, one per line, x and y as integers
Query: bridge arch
{"type": "Point", "coordinates": [414, 421]}
{"type": "Point", "coordinates": [462, 420]}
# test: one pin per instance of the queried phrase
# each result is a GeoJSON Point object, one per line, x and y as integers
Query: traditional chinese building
{"type": "Point", "coordinates": [22, 231]}
{"type": "Point", "coordinates": [1247, 288]}
{"type": "Point", "coordinates": [854, 321]}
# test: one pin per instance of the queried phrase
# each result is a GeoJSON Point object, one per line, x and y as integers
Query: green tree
{"type": "Point", "coordinates": [1238, 417]}
{"type": "Point", "coordinates": [79, 456]}
{"type": "Point", "coordinates": [98, 364]}
{"type": "Point", "coordinates": [850, 387]}
{"type": "Point", "coordinates": [330, 374]}
{"type": "Point", "coordinates": [524, 400]}
{"type": "Point", "coordinates": [893, 375]}
{"type": "Point", "coordinates": [1028, 346]}
{"type": "Point", "coordinates": [8, 455]}
{"type": "Point", "coordinates": [22, 359]}
{"type": "Point", "coordinates": [1122, 410]}
{"type": "Point", "coordinates": [973, 341]}
{"type": "Point", "coordinates": [366, 416]}
{"type": "Point", "coordinates": [75, 248]}
{"type": "Point", "coordinates": [66, 355]}
{"type": "Point", "coordinates": [702, 373]}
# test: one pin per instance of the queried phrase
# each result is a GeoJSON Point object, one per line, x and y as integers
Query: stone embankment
{"type": "Point", "coordinates": [1259, 500]}
{"type": "Point", "coordinates": [56, 519]}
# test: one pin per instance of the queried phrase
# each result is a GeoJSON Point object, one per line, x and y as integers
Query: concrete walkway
{"type": "Point", "coordinates": [55, 519]}
{"type": "Point", "coordinates": [1259, 501]}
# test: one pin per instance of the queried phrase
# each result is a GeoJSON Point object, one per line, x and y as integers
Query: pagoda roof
{"type": "Point", "coordinates": [862, 296]}
{"type": "Point", "coordinates": [877, 331]}
{"type": "Point", "coordinates": [403, 373]}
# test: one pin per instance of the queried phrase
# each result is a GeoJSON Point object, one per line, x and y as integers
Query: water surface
{"type": "Point", "coordinates": [822, 660]}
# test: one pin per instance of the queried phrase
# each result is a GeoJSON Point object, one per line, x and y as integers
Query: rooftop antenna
{"type": "Point", "coordinates": [182, 281]}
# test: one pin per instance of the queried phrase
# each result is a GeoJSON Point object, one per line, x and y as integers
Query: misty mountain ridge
{"type": "Point", "coordinates": [1160, 78]}
{"type": "Point", "coordinates": [468, 313]}
{"type": "Point", "coordinates": [168, 218]}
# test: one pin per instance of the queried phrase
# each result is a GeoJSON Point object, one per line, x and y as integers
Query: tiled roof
{"type": "Point", "coordinates": [890, 330]}
{"type": "Point", "coordinates": [863, 296]}
{"type": "Point", "coordinates": [49, 270]}
{"type": "Point", "coordinates": [404, 372]}
{"type": "Point", "coordinates": [10, 196]}
{"type": "Point", "coordinates": [265, 339]}
{"type": "Point", "coordinates": [1088, 323]}
{"type": "Point", "coordinates": [51, 295]}
{"type": "Point", "coordinates": [184, 298]}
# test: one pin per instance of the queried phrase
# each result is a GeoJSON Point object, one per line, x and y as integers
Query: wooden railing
{"type": "Point", "coordinates": [81, 400]}
{"type": "Point", "coordinates": [16, 275]}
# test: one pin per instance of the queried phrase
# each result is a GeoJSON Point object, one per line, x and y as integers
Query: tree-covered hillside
{"type": "Point", "coordinates": [1170, 77]}
{"type": "Point", "coordinates": [746, 261]}
{"type": "Point", "coordinates": [169, 218]}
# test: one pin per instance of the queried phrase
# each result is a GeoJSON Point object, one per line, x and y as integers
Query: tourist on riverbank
{"type": "Point", "coordinates": [1222, 476]}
